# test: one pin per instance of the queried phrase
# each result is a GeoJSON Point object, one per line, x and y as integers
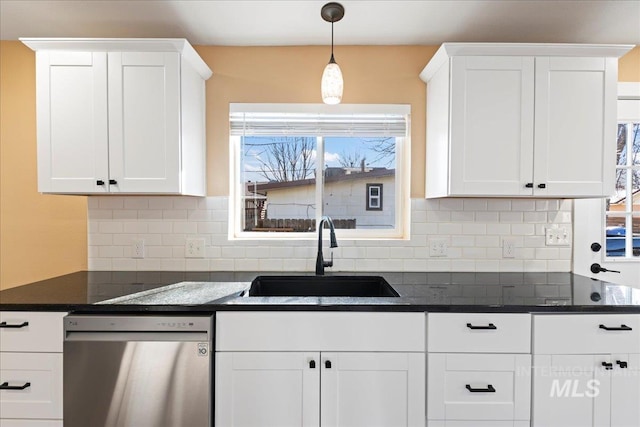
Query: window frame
{"type": "Point", "coordinates": [369, 206]}
{"type": "Point", "coordinates": [402, 174]}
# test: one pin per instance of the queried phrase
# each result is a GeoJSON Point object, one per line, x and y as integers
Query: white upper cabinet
{"type": "Point", "coordinates": [520, 120]}
{"type": "Point", "coordinates": [120, 116]}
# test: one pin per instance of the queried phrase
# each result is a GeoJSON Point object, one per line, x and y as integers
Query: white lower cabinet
{"type": "Point", "coordinates": [31, 369]}
{"type": "Point", "coordinates": [478, 370]}
{"type": "Point", "coordinates": [320, 389]}
{"type": "Point", "coordinates": [581, 384]}
{"type": "Point", "coordinates": [361, 381]}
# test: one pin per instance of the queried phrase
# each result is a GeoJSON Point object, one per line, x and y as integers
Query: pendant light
{"type": "Point", "coordinates": [332, 83]}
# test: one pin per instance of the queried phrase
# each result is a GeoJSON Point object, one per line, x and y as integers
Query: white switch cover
{"type": "Point", "coordinates": [137, 249]}
{"type": "Point", "coordinates": [194, 248]}
{"type": "Point", "coordinates": [556, 236]}
{"type": "Point", "coordinates": [438, 247]}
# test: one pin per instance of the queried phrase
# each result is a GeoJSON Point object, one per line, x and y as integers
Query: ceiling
{"type": "Point", "coordinates": [298, 22]}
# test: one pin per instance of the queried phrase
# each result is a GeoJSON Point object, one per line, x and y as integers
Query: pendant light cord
{"type": "Point", "coordinates": [332, 60]}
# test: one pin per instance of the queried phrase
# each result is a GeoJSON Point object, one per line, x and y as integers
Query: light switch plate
{"type": "Point", "coordinates": [556, 236]}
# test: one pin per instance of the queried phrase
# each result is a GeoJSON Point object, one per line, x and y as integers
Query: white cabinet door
{"type": "Point", "coordinates": [571, 391]}
{"type": "Point", "coordinates": [373, 389]}
{"type": "Point", "coordinates": [625, 390]}
{"type": "Point", "coordinates": [491, 125]}
{"type": "Point", "coordinates": [144, 122]}
{"type": "Point", "coordinates": [72, 122]}
{"type": "Point", "coordinates": [267, 389]}
{"type": "Point", "coordinates": [575, 126]}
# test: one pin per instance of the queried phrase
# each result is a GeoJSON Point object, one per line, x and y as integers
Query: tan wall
{"type": "Point", "coordinates": [629, 66]}
{"type": "Point", "coordinates": [372, 74]}
{"type": "Point", "coordinates": [44, 236]}
{"type": "Point", "coordinates": [40, 236]}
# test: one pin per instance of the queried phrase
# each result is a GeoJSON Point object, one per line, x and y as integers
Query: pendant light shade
{"type": "Point", "coordinates": [332, 83]}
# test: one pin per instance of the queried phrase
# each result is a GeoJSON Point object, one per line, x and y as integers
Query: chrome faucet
{"type": "Point", "coordinates": [320, 262]}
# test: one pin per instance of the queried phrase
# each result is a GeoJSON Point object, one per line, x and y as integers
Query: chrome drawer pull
{"type": "Point", "coordinates": [6, 325]}
{"type": "Point", "coordinates": [5, 386]}
{"type": "Point", "coordinates": [621, 328]}
{"type": "Point", "coordinates": [489, 326]}
{"type": "Point", "coordinates": [489, 389]}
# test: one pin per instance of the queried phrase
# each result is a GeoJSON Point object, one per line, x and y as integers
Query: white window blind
{"type": "Point", "coordinates": [261, 123]}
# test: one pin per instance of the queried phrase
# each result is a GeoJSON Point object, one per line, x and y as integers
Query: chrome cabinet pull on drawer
{"type": "Point", "coordinates": [621, 328]}
{"type": "Point", "coordinates": [489, 389]}
{"type": "Point", "coordinates": [489, 326]}
{"type": "Point", "coordinates": [5, 386]}
{"type": "Point", "coordinates": [6, 325]}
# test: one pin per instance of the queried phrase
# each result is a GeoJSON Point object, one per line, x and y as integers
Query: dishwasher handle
{"type": "Point", "coordinates": [115, 336]}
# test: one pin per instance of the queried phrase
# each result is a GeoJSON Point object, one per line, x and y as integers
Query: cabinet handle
{"type": "Point", "coordinates": [529, 185]}
{"type": "Point", "coordinates": [113, 182]}
{"type": "Point", "coordinates": [607, 366]}
{"type": "Point", "coordinates": [312, 364]}
{"type": "Point", "coordinates": [622, 364]}
{"type": "Point", "coordinates": [5, 386]}
{"type": "Point", "coordinates": [542, 185]}
{"type": "Point", "coordinates": [6, 325]}
{"type": "Point", "coordinates": [327, 364]}
{"type": "Point", "coordinates": [99, 182]}
{"type": "Point", "coordinates": [621, 328]}
{"type": "Point", "coordinates": [489, 389]}
{"type": "Point", "coordinates": [489, 326]}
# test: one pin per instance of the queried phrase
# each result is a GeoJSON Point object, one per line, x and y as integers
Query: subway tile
{"type": "Point", "coordinates": [499, 205]}
{"type": "Point", "coordinates": [185, 202]}
{"type": "Point", "coordinates": [476, 229]}
{"type": "Point", "coordinates": [173, 264]}
{"type": "Point", "coordinates": [174, 214]}
{"type": "Point", "coordinates": [530, 217]}
{"type": "Point", "coordinates": [160, 203]}
{"type": "Point", "coordinates": [161, 227]}
{"type": "Point", "coordinates": [185, 227]}
{"type": "Point", "coordinates": [487, 217]}
{"type": "Point", "coordinates": [100, 239]}
{"type": "Point", "coordinates": [523, 205]}
{"type": "Point", "coordinates": [511, 217]}
{"type": "Point", "coordinates": [98, 214]}
{"type": "Point", "coordinates": [196, 264]}
{"type": "Point", "coordinates": [150, 214]}
{"type": "Point", "coordinates": [222, 265]}
{"type": "Point", "coordinates": [125, 214]}
{"type": "Point", "coordinates": [111, 202]}
{"type": "Point", "coordinates": [523, 229]}
{"type": "Point", "coordinates": [451, 205]}
{"type": "Point", "coordinates": [462, 216]}
{"type": "Point", "coordinates": [159, 251]}
{"type": "Point", "coordinates": [136, 203]}
{"type": "Point", "coordinates": [124, 264]}
{"type": "Point", "coordinates": [474, 205]}
{"type": "Point", "coordinates": [135, 227]}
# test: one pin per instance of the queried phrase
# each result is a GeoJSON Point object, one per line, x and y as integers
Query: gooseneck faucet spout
{"type": "Point", "coordinates": [320, 262]}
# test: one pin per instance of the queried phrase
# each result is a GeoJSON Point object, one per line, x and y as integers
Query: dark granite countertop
{"type": "Point", "coordinates": [127, 291]}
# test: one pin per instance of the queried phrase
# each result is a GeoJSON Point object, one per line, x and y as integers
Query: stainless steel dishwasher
{"type": "Point", "coordinates": [137, 371]}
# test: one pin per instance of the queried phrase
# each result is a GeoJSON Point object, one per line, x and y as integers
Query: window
{"type": "Point", "coordinates": [294, 163]}
{"type": "Point", "coordinates": [374, 197]}
{"type": "Point", "coordinates": [622, 230]}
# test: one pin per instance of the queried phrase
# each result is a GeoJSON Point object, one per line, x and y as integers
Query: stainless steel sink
{"type": "Point", "coordinates": [321, 286]}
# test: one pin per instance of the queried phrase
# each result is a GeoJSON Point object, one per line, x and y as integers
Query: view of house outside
{"type": "Point", "coordinates": [279, 177]}
{"type": "Point", "coordinates": [623, 208]}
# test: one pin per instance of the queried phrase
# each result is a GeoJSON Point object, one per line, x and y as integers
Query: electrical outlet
{"type": "Point", "coordinates": [556, 236]}
{"type": "Point", "coordinates": [438, 247]}
{"type": "Point", "coordinates": [508, 248]}
{"type": "Point", "coordinates": [137, 249]}
{"type": "Point", "coordinates": [194, 248]}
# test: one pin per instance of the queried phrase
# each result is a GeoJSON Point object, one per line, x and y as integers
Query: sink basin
{"type": "Point", "coordinates": [321, 286]}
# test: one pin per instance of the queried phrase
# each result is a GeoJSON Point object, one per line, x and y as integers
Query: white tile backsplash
{"type": "Point", "coordinates": [473, 228]}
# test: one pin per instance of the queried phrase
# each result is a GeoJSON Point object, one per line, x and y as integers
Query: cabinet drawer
{"type": "Point", "coordinates": [27, 331]}
{"type": "Point", "coordinates": [585, 334]}
{"type": "Point", "coordinates": [43, 397]}
{"type": "Point", "coordinates": [477, 423]}
{"type": "Point", "coordinates": [30, 423]}
{"type": "Point", "coordinates": [467, 387]}
{"type": "Point", "coordinates": [329, 331]}
{"type": "Point", "coordinates": [478, 333]}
